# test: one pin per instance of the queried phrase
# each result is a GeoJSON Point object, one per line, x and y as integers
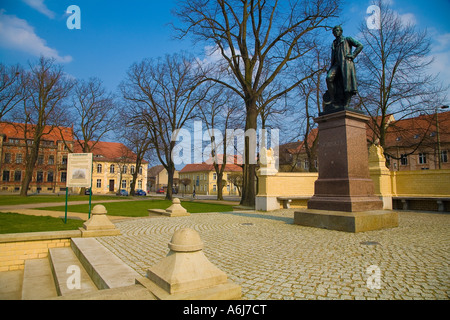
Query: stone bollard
{"type": "Point", "coordinates": [175, 210]}
{"type": "Point", "coordinates": [99, 224]}
{"type": "Point", "coordinates": [185, 273]}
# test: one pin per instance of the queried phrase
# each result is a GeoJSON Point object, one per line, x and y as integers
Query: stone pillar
{"type": "Point", "coordinates": [99, 225]}
{"type": "Point", "coordinates": [186, 274]}
{"type": "Point", "coordinates": [344, 182]}
{"type": "Point", "coordinates": [381, 176]}
{"type": "Point", "coordinates": [265, 201]}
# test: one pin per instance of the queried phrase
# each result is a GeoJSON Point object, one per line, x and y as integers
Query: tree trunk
{"type": "Point", "coordinates": [30, 162]}
{"type": "Point", "coordinates": [219, 186]}
{"type": "Point", "coordinates": [248, 186]}
{"type": "Point", "coordinates": [170, 173]}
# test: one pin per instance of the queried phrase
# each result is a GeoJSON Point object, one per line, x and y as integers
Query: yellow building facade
{"type": "Point", "coordinates": [113, 168]}
{"type": "Point", "coordinates": [204, 179]}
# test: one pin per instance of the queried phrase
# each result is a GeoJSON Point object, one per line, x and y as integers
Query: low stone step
{"type": "Point", "coordinates": [106, 270]}
{"type": "Point", "coordinates": [66, 266]}
{"type": "Point", "coordinates": [38, 280]}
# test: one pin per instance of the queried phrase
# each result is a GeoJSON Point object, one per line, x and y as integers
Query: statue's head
{"type": "Point", "coordinates": [337, 31]}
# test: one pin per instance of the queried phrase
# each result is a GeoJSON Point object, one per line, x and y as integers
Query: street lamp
{"type": "Point", "coordinates": [438, 134]}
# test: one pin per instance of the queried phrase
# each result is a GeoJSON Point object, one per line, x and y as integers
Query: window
{"type": "Point", "coordinates": [140, 170]}
{"type": "Point", "coordinates": [132, 169]}
{"type": "Point", "coordinates": [124, 184]}
{"type": "Point", "coordinates": [51, 159]}
{"type": "Point", "coordinates": [422, 158]}
{"type": "Point", "coordinates": [306, 164]}
{"type": "Point", "coordinates": [124, 169]}
{"type": "Point", "coordinates": [214, 176]}
{"type": "Point", "coordinates": [64, 160]}
{"type": "Point", "coordinates": [18, 176]}
{"type": "Point", "coordinates": [112, 168]}
{"type": "Point", "coordinates": [40, 177]}
{"type": "Point", "coordinates": [99, 168]}
{"type": "Point", "coordinates": [444, 156]}
{"type": "Point", "coordinates": [404, 160]}
{"type": "Point", "coordinates": [40, 159]}
{"type": "Point", "coordinates": [14, 141]}
{"type": "Point", "coordinates": [63, 176]}
{"type": "Point", "coordinates": [50, 176]}
{"type": "Point", "coordinates": [214, 188]}
{"type": "Point", "coordinates": [7, 157]}
{"type": "Point", "coordinates": [140, 184]}
{"type": "Point", "coordinates": [5, 176]}
{"type": "Point", "coordinates": [99, 183]}
{"type": "Point", "coordinates": [18, 158]}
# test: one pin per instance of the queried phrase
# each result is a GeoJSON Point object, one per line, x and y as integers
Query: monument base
{"type": "Point", "coordinates": [347, 221]}
{"type": "Point", "coordinates": [347, 204]}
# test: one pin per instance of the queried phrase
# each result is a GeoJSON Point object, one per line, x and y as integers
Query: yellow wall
{"type": "Point", "coordinates": [288, 184]}
{"type": "Point", "coordinates": [423, 183]}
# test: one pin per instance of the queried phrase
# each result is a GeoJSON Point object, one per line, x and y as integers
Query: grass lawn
{"type": "Point", "coordinates": [6, 200]}
{"type": "Point", "coordinates": [18, 223]}
{"type": "Point", "coordinates": [139, 208]}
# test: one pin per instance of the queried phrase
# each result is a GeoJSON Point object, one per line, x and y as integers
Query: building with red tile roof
{"type": "Point", "coordinates": [50, 173]}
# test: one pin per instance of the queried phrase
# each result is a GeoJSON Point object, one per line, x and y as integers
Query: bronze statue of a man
{"type": "Point", "coordinates": [341, 77]}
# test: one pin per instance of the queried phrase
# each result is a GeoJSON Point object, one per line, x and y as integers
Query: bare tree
{"type": "Point", "coordinates": [185, 182]}
{"type": "Point", "coordinates": [47, 88]}
{"type": "Point", "coordinates": [163, 95]}
{"type": "Point", "coordinates": [394, 77]}
{"type": "Point", "coordinates": [137, 138]}
{"type": "Point", "coordinates": [11, 88]}
{"type": "Point", "coordinates": [220, 113]}
{"type": "Point", "coordinates": [94, 113]}
{"type": "Point", "coordinates": [258, 41]}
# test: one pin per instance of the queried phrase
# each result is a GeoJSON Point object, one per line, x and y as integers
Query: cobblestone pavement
{"type": "Point", "coordinates": [273, 259]}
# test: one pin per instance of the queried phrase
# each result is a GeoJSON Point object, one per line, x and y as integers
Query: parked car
{"type": "Point", "coordinates": [123, 192]}
{"type": "Point", "coordinates": [87, 191]}
{"type": "Point", "coordinates": [161, 190]}
{"type": "Point", "coordinates": [140, 192]}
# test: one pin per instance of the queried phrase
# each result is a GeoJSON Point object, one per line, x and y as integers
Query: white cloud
{"type": "Point", "coordinates": [408, 19]}
{"type": "Point", "coordinates": [440, 51]}
{"type": "Point", "coordinates": [40, 6]}
{"type": "Point", "coordinates": [17, 34]}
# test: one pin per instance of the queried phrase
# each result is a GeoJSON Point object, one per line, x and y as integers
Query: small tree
{"type": "Point", "coordinates": [237, 180]}
{"type": "Point", "coordinates": [185, 182]}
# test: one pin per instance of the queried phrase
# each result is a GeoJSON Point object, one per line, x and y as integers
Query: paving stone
{"type": "Point", "coordinates": [275, 259]}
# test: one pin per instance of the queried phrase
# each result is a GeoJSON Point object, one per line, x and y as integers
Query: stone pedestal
{"type": "Point", "coordinates": [186, 273]}
{"type": "Point", "coordinates": [99, 225]}
{"type": "Point", "coordinates": [344, 198]}
{"type": "Point", "coordinates": [344, 182]}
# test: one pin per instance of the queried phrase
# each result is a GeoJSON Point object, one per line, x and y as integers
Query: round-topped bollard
{"type": "Point", "coordinates": [99, 210]}
{"type": "Point", "coordinates": [186, 240]}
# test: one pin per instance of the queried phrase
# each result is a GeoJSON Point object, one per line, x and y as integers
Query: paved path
{"type": "Point", "coordinates": [273, 259]}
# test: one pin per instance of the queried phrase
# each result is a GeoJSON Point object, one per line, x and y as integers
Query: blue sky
{"type": "Point", "coordinates": [114, 34]}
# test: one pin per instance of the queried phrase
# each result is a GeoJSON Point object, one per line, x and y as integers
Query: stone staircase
{"type": "Point", "coordinates": [86, 270]}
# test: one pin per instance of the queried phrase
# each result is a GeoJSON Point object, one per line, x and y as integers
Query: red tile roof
{"type": "Point", "coordinates": [16, 131]}
{"type": "Point", "coordinates": [109, 151]}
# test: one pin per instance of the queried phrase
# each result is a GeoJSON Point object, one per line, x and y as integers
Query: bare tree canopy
{"type": "Point", "coordinates": [11, 88]}
{"type": "Point", "coordinates": [258, 41]}
{"type": "Point", "coordinates": [162, 95]}
{"type": "Point", "coordinates": [394, 77]}
{"type": "Point", "coordinates": [94, 113]}
{"type": "Point", "coordinates": [45, 94]}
